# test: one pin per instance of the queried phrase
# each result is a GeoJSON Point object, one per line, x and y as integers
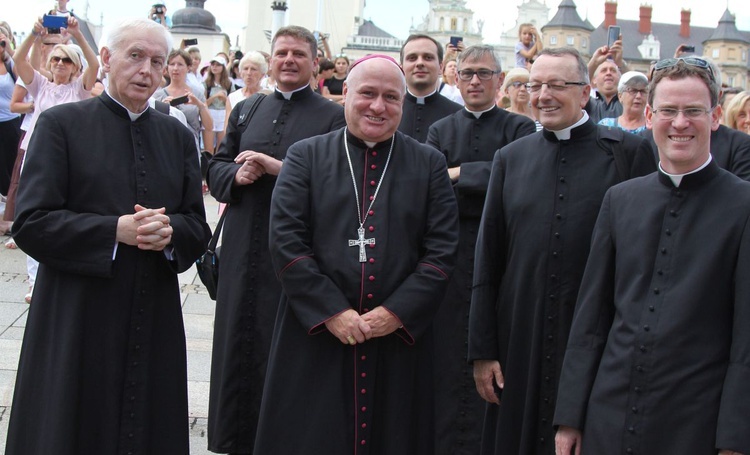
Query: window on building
{"type": "Point", "coordinates": [454, 23]}
{"type": "Point", "coordinates": [466, 26]}
{"type": "Point", "coordinates": [730, 82]}
{"type": "Point", "coordinates": [584, 43]}
{"type": "Point", "coordinates": [442, 24]}
{"type": "Point", "coordinates": [553, 39]}
{"type": "Point", "coordinates": [715, 53]}
{"type": "Point", "coordinates": [744, 56]}
{"type": "Point", "coordinates": [571, 40]}
{"type": "Point", "coordinates": [651, 52]}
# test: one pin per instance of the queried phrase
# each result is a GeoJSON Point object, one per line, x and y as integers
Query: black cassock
{"type": "Point", "coordinates": [249, 291]}
{"type": "Point", "coordinates": [658, 359]}
{"type": "Point", "coordinates": [729, 147]}
{"type": "Point", "coordinates": [420, 113]}
{"type": "Point", "coordinates": [542, 201]}
{"type": "Point", "coordinates": [471, 143]}
{"type": "Point", "coordinates": [103, 363]}
{"type": "Point", "coordinates": [324, 397]}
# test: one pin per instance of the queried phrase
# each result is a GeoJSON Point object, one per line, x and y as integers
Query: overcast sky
{"type": "Point", "coordinates": [394, 16]}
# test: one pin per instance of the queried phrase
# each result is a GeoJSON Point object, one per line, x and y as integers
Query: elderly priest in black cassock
{"type": "Point", "coordinates": [363, 238]}
{"type": "Point", "coordinates": [110, 204]}
{"type": "Point", "coordinates": [658, 359]}
{"type": "Point", "coordinates": [542, 200]}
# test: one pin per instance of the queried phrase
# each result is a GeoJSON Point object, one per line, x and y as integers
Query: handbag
{"type": "Point", "coordinates": [208, 263]}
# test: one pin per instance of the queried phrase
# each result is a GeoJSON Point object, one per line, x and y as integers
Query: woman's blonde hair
{"type": "Point", "coordinates": [735, 106]}
{"type": "Point", "coordinates": [70, 53]}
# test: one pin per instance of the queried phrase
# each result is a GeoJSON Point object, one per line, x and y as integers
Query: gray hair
{"type": "Point", "coordinates": [473, 53]}
{"type": "Point", "coordinates": [582, 67]}
{"type": "Point", "coordinates": [124, 29]}
{"type": "Point", "coordinates": [256, 58]}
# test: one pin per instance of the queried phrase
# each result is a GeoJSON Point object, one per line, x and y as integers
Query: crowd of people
{"type": "Point", "coordinates": [423, 255]}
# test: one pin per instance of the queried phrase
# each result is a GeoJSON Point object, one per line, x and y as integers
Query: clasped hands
{"type": "Point", "coordinates": [254, 165]}
{"type": "Point", "coordinates": [148, 229]}
{"type": "Point", "coordinates": [351, 328]}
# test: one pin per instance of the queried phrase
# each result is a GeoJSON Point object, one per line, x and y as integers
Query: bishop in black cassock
{"type": "Point", "coordinates": [543, 197]}
{"type": "Point", "coordinates": [350, 365]}
{"type": "Point", "coordinates": [249, 291]}
{"type": "Point", "coordinates": [658, 359]}
{"type": "Point", "coordinates": [103, 363]}
{"type": "Point", "coordinates": [468, 139]}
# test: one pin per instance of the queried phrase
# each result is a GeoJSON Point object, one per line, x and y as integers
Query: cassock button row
{"type": "Point", "coordinates": [373, 183]}
{"type": "Point", "coordinates": [656, 291]}
{"type": "Point", "coordinates": [364, 357]}
{"type": "Point", "coordinates": [564, 160]}
{"type": "Point", "coordinates": [364, 425]}
{"type": "Point", "coordinates": [651, 308]}
{"type": "Point", "coordinates": [369, 296]}
{"type": "Point", "coordinates": [371, 212]}
{"type": "Point", "coordinates": [561, 196]}
{"type": "Point", "coordinates": [637, 389]}
{"type": "Point", "coordinates": [634, 409]}
{"type": "Point", "coordinates": [558, 216]}
{"type": "Point", "coordinates": [364, 375]}
{"type": "Point", "coordinates": [372, 197]}
{"type": "Point", "coordinates": [643, 348]}
{"type": "Point", "coordinates": [143, 173]}
{"type": "Point", "coordinates": [631, 429]}
{"type": "Point", "coordinates": [363, 391]}
{"type": "Point", "coordinates": [673, 213]}
{"type": "Point", "coordinates": [373, 166]}
{"type": "Point", "coordinates": [372, 260]}
{"type": "Point", "coordinates": [646, 328]}
{"type": "Point", "coordinates": [639, 368]}
{"type": "Point", "coordinates": [668, 232]}
{"type": "Point", "coordinates": [663, 251]}
{"type": "Point", "coordinates": [660, 272]}
{"type": "Point", "coordinates": [363, 442]}
{"type": "Point", "coordinates": [371, 228]}
{"type": "Point", "coordinates": [562, 179]}
{"type": "Point", "coordinates": [364, 409]}
{"type": "Point", "coordinates": [372, 277]}
{"type": "Point", "coordinates": [374, 153]}
{"type": "Point", "coordinates": [629, 450]}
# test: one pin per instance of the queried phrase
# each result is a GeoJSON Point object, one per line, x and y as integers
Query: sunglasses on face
{"type": "Point", "coordinates": [56, 59]}
{"type": "Point", "coordinates": [692, 61]}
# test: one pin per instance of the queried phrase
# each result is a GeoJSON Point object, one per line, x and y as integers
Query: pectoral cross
{"type": "Point", "coordinates": [361, 242]}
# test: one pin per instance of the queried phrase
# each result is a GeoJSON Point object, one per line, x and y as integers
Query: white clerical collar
{"type": "Point", "coordinates": [478, 114]}
{"type": "Point", "coordinates": [677, 178]}
{"type": "Point", "coordinates": [564, 134]}
{"type": "Point", "coordinates": [133, 115]}
{"type": "Point", "coordinates": [370, 144]}
{"type": "Point", "coordinates": [420, 99]}
{"type": "Point", "coordinates": [288, 95]}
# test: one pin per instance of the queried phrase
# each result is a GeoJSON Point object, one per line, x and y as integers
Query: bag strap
{"type": "Point", "coordinates": [217, 232]}
{"type": "Point", "coordinates": [248, 109]}
{"type": "Point", "coordinates": [9, 69]}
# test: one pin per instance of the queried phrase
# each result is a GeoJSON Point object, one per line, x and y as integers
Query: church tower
{"type": "Point", "coordinates": [450, 18]}
{"type": "Point", "coordinates": [567, 29]}
{"type": "Point", "coordinates": [728, 48]}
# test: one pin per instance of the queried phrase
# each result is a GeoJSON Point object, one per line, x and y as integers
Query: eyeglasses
{"type": "Point", "coordinates": [692, 113]}
{"type": "Point", "coordinates": [483, 75]}
{"type": "Point", "coordinates": [517, 84]}
{"type": "Point", "coordinates": [692, 61]}
{"type": "Point", "coordinates": [635, 91]}
{"type": "Point", "coordinates": [555, 86]}
{"type": "Point", "coordinates": [56, 59]}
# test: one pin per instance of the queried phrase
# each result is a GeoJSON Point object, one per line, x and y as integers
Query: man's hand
{"type": "Point", "coordinates": [269, 164]}
{"type": "Point", "coordinates": [250, 171]}
{"type": "Point", "coordinates": [154, 232]}
{"type": "Point", "coordinates": [148, 229]}
{"type": "Point", "coordinates": [381, 321]}
{"type": "Point", "coordinates": [349, 327]}
{"type": "Point", "coordinates": [454, 173]}
{"type": "Point", "coordinates": [487, 373]}
{"type": "Point", "coordinates": [567, 441]}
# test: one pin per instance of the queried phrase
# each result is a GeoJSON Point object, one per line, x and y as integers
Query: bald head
{"type": "Point", "coordinates": [374, 93]}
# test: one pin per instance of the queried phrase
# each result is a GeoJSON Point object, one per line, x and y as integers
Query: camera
{"type": "Point", "coordinates": [159, 9]}
{"type": "Point", "coordinates": [688, 49]}
{"type": "Point", "coordinates": [2, 43]}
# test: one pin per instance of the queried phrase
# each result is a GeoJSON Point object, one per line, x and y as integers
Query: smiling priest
{"type": "Point", "coordinates": [364, 231]}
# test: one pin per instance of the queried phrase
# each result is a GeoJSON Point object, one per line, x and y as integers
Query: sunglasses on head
{"type": "Point", "coordinates": [56, 59]}
{"type": "Point", "coordinates": [692, 61]}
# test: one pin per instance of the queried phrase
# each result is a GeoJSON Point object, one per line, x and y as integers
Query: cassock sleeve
{"type": "Point", "coordinates": [417, 298]}
{"type": "Point", "coordinates": [222, 168]}
{"type": "Point", "coordinates": [489, 268]}
{"type": "Point", "coordinates": [733, 427]}
{"type": "Point", "coordinates": [312, 295]}
{"type": "Point", "coordinates": [739, 152]}
{"type": "Point", "coordinates": [592, 322]}
{"type": "Point", "coordinates": [44, 223]}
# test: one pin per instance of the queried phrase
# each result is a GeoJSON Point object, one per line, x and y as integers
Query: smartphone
{"type": "Point", "coordinates": [53, 24]}
{"type": "Point", "coordinates": [455, 40]}
{"type": "Point", "coordinates": [688, 49]}
{"type": "Point", "coordinates": [179, 100]}
{"type": "Point", "coordinates": [613, 34]}
{"type": "Point", "coordinates": [191, 42]}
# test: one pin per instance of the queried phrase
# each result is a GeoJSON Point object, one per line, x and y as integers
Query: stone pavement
{"type": "Point", "coordinates": [198, 314]}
